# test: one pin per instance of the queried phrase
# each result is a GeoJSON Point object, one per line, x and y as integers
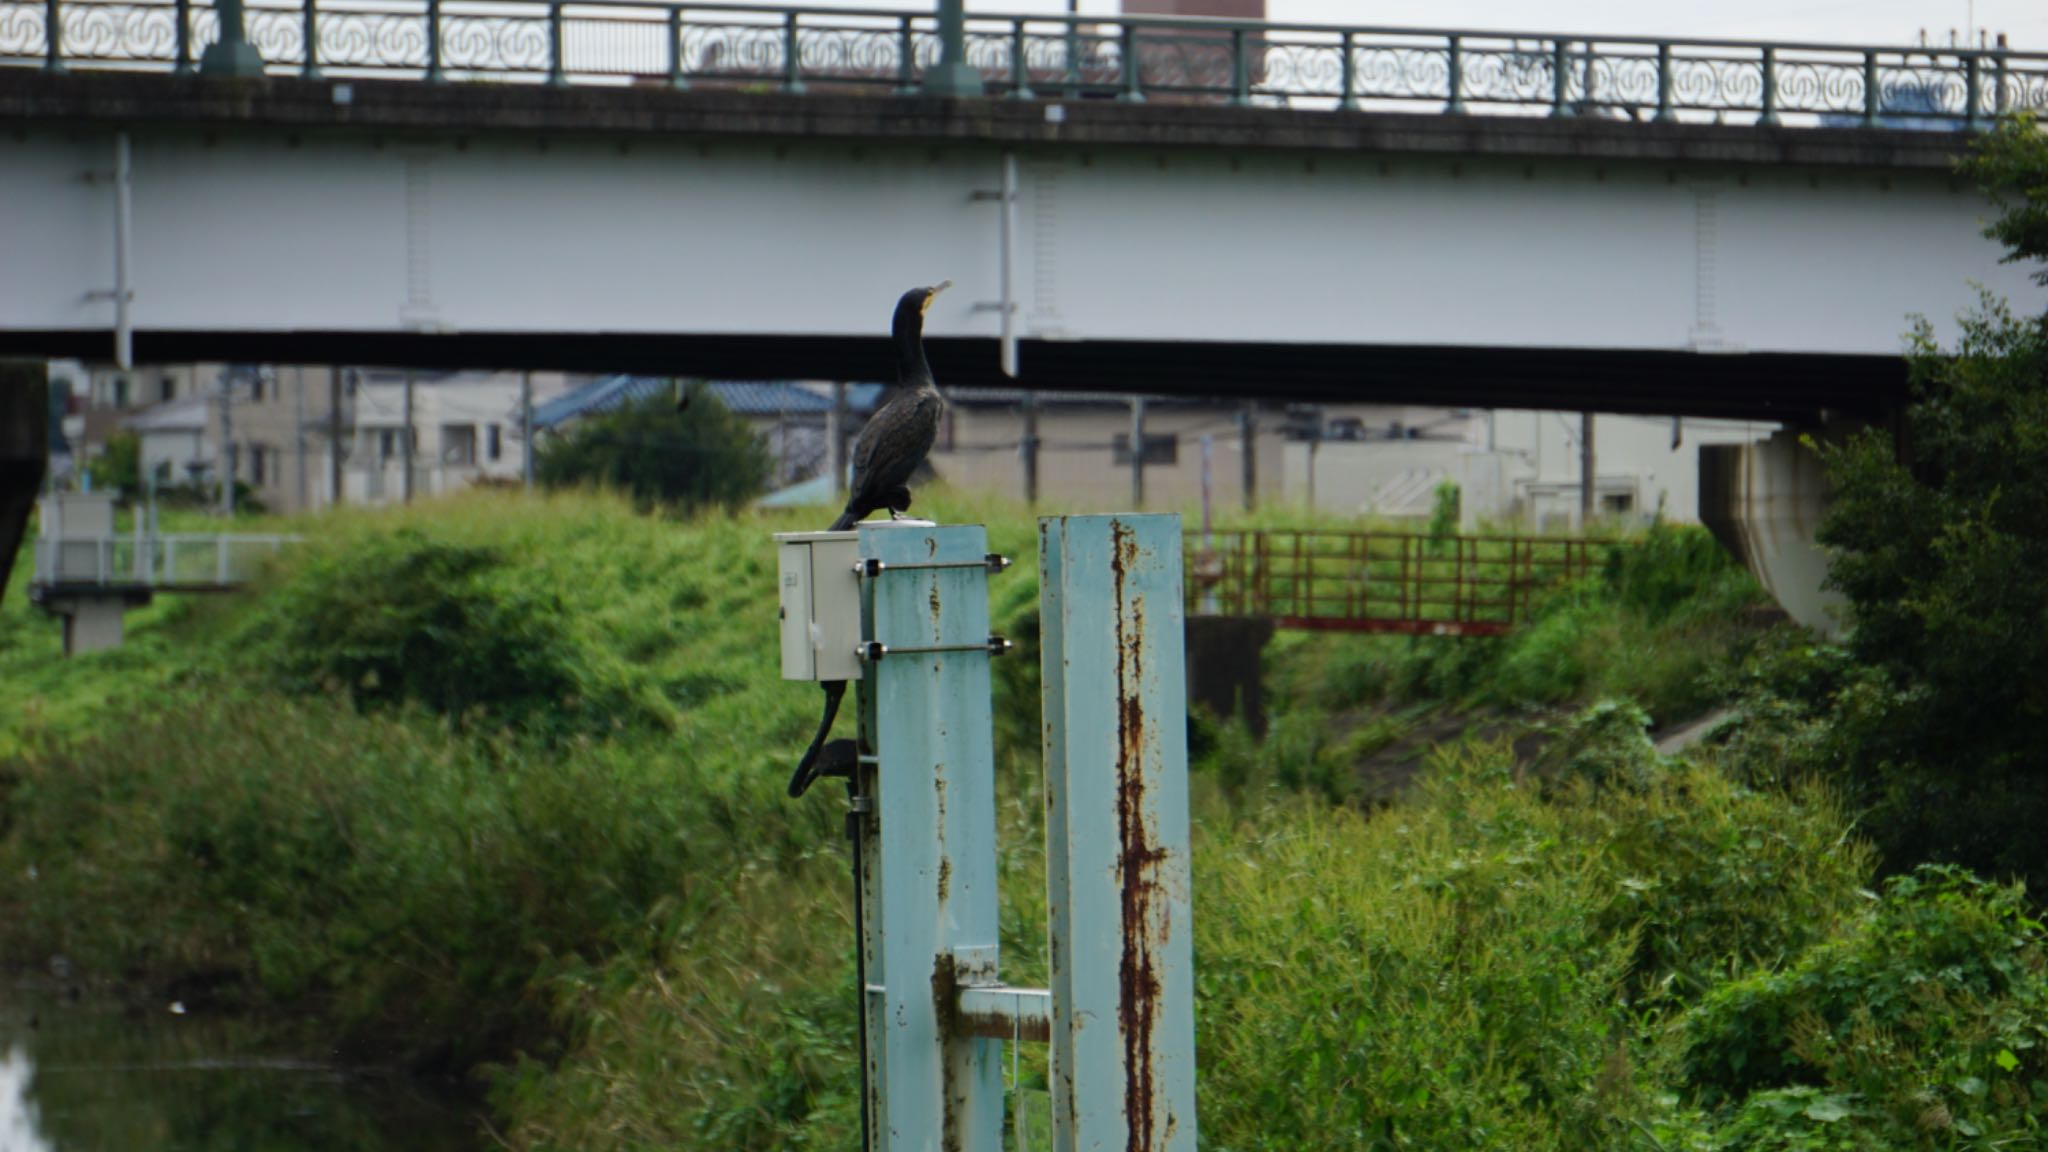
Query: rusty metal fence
{"type": "Point", "coordinates": [1410, 583]}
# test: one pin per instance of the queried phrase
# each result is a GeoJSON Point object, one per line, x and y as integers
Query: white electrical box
{"type": "Point", "coordinates": [820, 597]}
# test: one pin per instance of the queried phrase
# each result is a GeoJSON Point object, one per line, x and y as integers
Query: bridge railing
{"type": "Point", "coordinates": [1126, 58]}
{"type": "Point", "coordinates": [168, 562]}
{"type": "Point", "coordinates": [1384, 581]}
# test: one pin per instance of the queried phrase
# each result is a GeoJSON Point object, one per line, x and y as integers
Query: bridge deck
{"type": "Point", "coordinates": [1160, 59]}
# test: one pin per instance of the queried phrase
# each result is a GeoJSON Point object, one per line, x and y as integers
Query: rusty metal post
{"type": "Point", "coordinates": [1117, 871]}
{"type": "Point", "coordinates": [930, 912]}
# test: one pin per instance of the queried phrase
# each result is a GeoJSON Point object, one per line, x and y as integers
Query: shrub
{"type": "Point", "coordinates": [1928, 1022]}
{"type": "Point", "coordinates": [406, 618]}
{"type": "Point", "coordinates": [701, 455]}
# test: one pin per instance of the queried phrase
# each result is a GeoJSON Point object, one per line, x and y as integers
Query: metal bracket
{"type": "Point", "coordinates": [872, 651]}
{"type": "Point", "coordinates": [872, 568]}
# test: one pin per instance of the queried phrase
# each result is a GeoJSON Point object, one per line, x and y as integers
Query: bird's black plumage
{"type": "Point", "coordinates": [899, 436]}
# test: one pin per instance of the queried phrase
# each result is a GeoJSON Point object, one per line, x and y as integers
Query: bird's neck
{"type": "Point", "coordinates": [911, 369]}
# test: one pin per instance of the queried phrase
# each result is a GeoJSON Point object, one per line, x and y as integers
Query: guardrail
{"type": "Point", "coordinates": [167, 563]}
{"type": "Point", "coordinates": [1383, 581]}
{"type": "Point", "coordinates": [1020, 57]}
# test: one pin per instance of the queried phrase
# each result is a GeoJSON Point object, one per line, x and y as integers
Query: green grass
{"type": "Point", "coordinates": [496, 784]}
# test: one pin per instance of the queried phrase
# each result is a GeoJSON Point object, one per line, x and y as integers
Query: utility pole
{"type": "Point", "coordinates": [1585, 471]}
{"type": "Point", "coordinates": [334, 435]}
{"type": "Point", "coordinates": [227, 444]}
{"type": "Point", "coordinates": [835, 438]}
{"type": "Point", "coordinates": [405, 481]}
{"type": "Point", "coordinates": [299, 432]}
{"type": "Point", "coordinates": [1137, 452]}
{"type": "Point", "coordinates": [1028, 447]}
{"type": "Point", "coordinates": [953, 76]}
{"type": "Point", "coordinates": [1247, 442]}
{"type": "Point", "coordinates": [526, 427]}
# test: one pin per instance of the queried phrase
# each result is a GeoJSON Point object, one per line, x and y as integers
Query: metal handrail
{"type": "Point", "coordinates": [1186, 59]}
{"type": "Point", "coordinates": [1384, 581]}
{"type": "Point", "coordinates": [210, 560]}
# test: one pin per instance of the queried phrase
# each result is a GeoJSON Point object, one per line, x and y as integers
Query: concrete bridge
{"type": "Point", "coordinates": [1171, 205]}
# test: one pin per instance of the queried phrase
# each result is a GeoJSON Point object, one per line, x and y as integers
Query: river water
{"type": "Point", "coordinates": [86, 1076]}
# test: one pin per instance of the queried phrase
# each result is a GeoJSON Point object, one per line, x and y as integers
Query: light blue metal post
{"type": "Point", "coordinates": [931, 906]}
{"type": "Point", "coordinates": [1117, 871]}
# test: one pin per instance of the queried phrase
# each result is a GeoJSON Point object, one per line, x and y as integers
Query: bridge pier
{"type": "Point", "coordinates": [1225, 654]}
{"type": "Point", "coordinates": [24, 451]}
{"type": "Point", "coordinates": [92, 619]}
{"type": "Point", "coordinates": [1764, 502]}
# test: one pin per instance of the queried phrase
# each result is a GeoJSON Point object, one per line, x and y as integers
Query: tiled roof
{"type": "Point", "coordinates": [185, 414]}
{"type": "Point", "coordinates": [746, 397]}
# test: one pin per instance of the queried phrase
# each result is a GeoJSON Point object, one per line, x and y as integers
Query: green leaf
{"type": "Point", "coordinates": [1827, 1109]}
{"type": "Point", "coordinates": [2006, 1060]}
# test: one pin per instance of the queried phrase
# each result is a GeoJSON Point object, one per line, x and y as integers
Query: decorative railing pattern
{"type": "Point", "coordinates": [1383, 581]}
{"type": "Point", "coordinates": [177, 562]}
{"type": "Point", "coordinates": [1130, 58]}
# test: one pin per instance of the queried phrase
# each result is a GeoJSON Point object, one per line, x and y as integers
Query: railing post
{"type": "Point", "coordinates": [558, 74]}
{"type": "Point", "coordinates": [231, 54]}
{"type": "Point", "coordinates": [1133, 93]}
{"type": "Point", "coordinates": [434, 75]}
{"type": "Point", "coordinates": [792, 56]}
{"type": "Point", "coordinates": [1665, 113]}
{"type": "Point", "coordinates": [675, 50]}
{"type": "Point", "coordinates": [1768, 118]}
{"type": "Point", "coordinates": [1020, 67]}
{"type": "Point", "coordinates": [220, 559]}
{"type": "Point", "coordinates": [1560, 80]}
{"type": "Point", "coordinates": [1586, 93]}
{"type": "Point", "coordinates": [1972, 91]}
{"type": "Point", "coordinates": [1073, 58]}
{"type": "Point", "coordinates": [53, 36]}
{"type": "Point", "coordinates": [906, 60]}
{"type": "Point", "coordinates": [310, 34]}
{"type": "Point", "coordinates": [181, 40]}
{"type": "Point", "coordinates": [1455, 59]}
{"type": "Point", "coordinates": [1348, 77]}
{"type": "Point", "coordinates": [1870, 91]}
{"type": "Point", "coordinates": [1240, 74]}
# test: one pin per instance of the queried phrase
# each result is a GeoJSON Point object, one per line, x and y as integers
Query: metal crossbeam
{"type": "Point", "coordinates": [822, 50]}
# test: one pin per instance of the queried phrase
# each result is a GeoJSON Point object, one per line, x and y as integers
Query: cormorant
{"type": "Point", "coordinates": [897, 438]}
{"type": "Point", "coordinates": [895, 441]}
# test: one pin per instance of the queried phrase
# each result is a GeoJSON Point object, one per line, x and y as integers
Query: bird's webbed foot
{"type": "Point", "coordinates": [897, 500]}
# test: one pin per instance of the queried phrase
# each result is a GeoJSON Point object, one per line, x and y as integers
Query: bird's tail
{"type": "Point", "coordinates": [847, 519]}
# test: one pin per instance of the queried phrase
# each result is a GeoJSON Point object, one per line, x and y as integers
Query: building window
{"type": "Point", "coordinates": [1618, 503]}
{"type": "Point", "coordinates": [458, 444]}
{"type": "Point", "coordinates": [1162, 448]}
{"type": "Point", "coordinates": [493, 445]}
{"type": "Point", "coordinates": [170, 389]}
{"type": "Point", "coordinates": [387, 443]}
{"type": "Point", "coordinates": [256, 388]}
{"type": "Point", "coordinates": [120, 391]}
{"type": "Point", "coordinates": [259, 461]}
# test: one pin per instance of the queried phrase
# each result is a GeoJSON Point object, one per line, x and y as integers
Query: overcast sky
{"type": "Point", "coordinates": [1880, 22]}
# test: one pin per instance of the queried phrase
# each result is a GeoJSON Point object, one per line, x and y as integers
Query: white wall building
{"type": "Point", "coordinates": [1513, 467]}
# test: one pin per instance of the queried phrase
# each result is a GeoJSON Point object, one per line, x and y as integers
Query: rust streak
{"type": "Point", "coordinates": [1138, 859]}
{"type": "Point", "coordinates": [946, 1011]}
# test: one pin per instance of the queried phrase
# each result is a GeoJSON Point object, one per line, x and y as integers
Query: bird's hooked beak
{"type": "Point", "coordinates": [932, 293]}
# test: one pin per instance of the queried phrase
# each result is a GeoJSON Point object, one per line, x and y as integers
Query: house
{"type": "Point", "coordinates": [175, 443]}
